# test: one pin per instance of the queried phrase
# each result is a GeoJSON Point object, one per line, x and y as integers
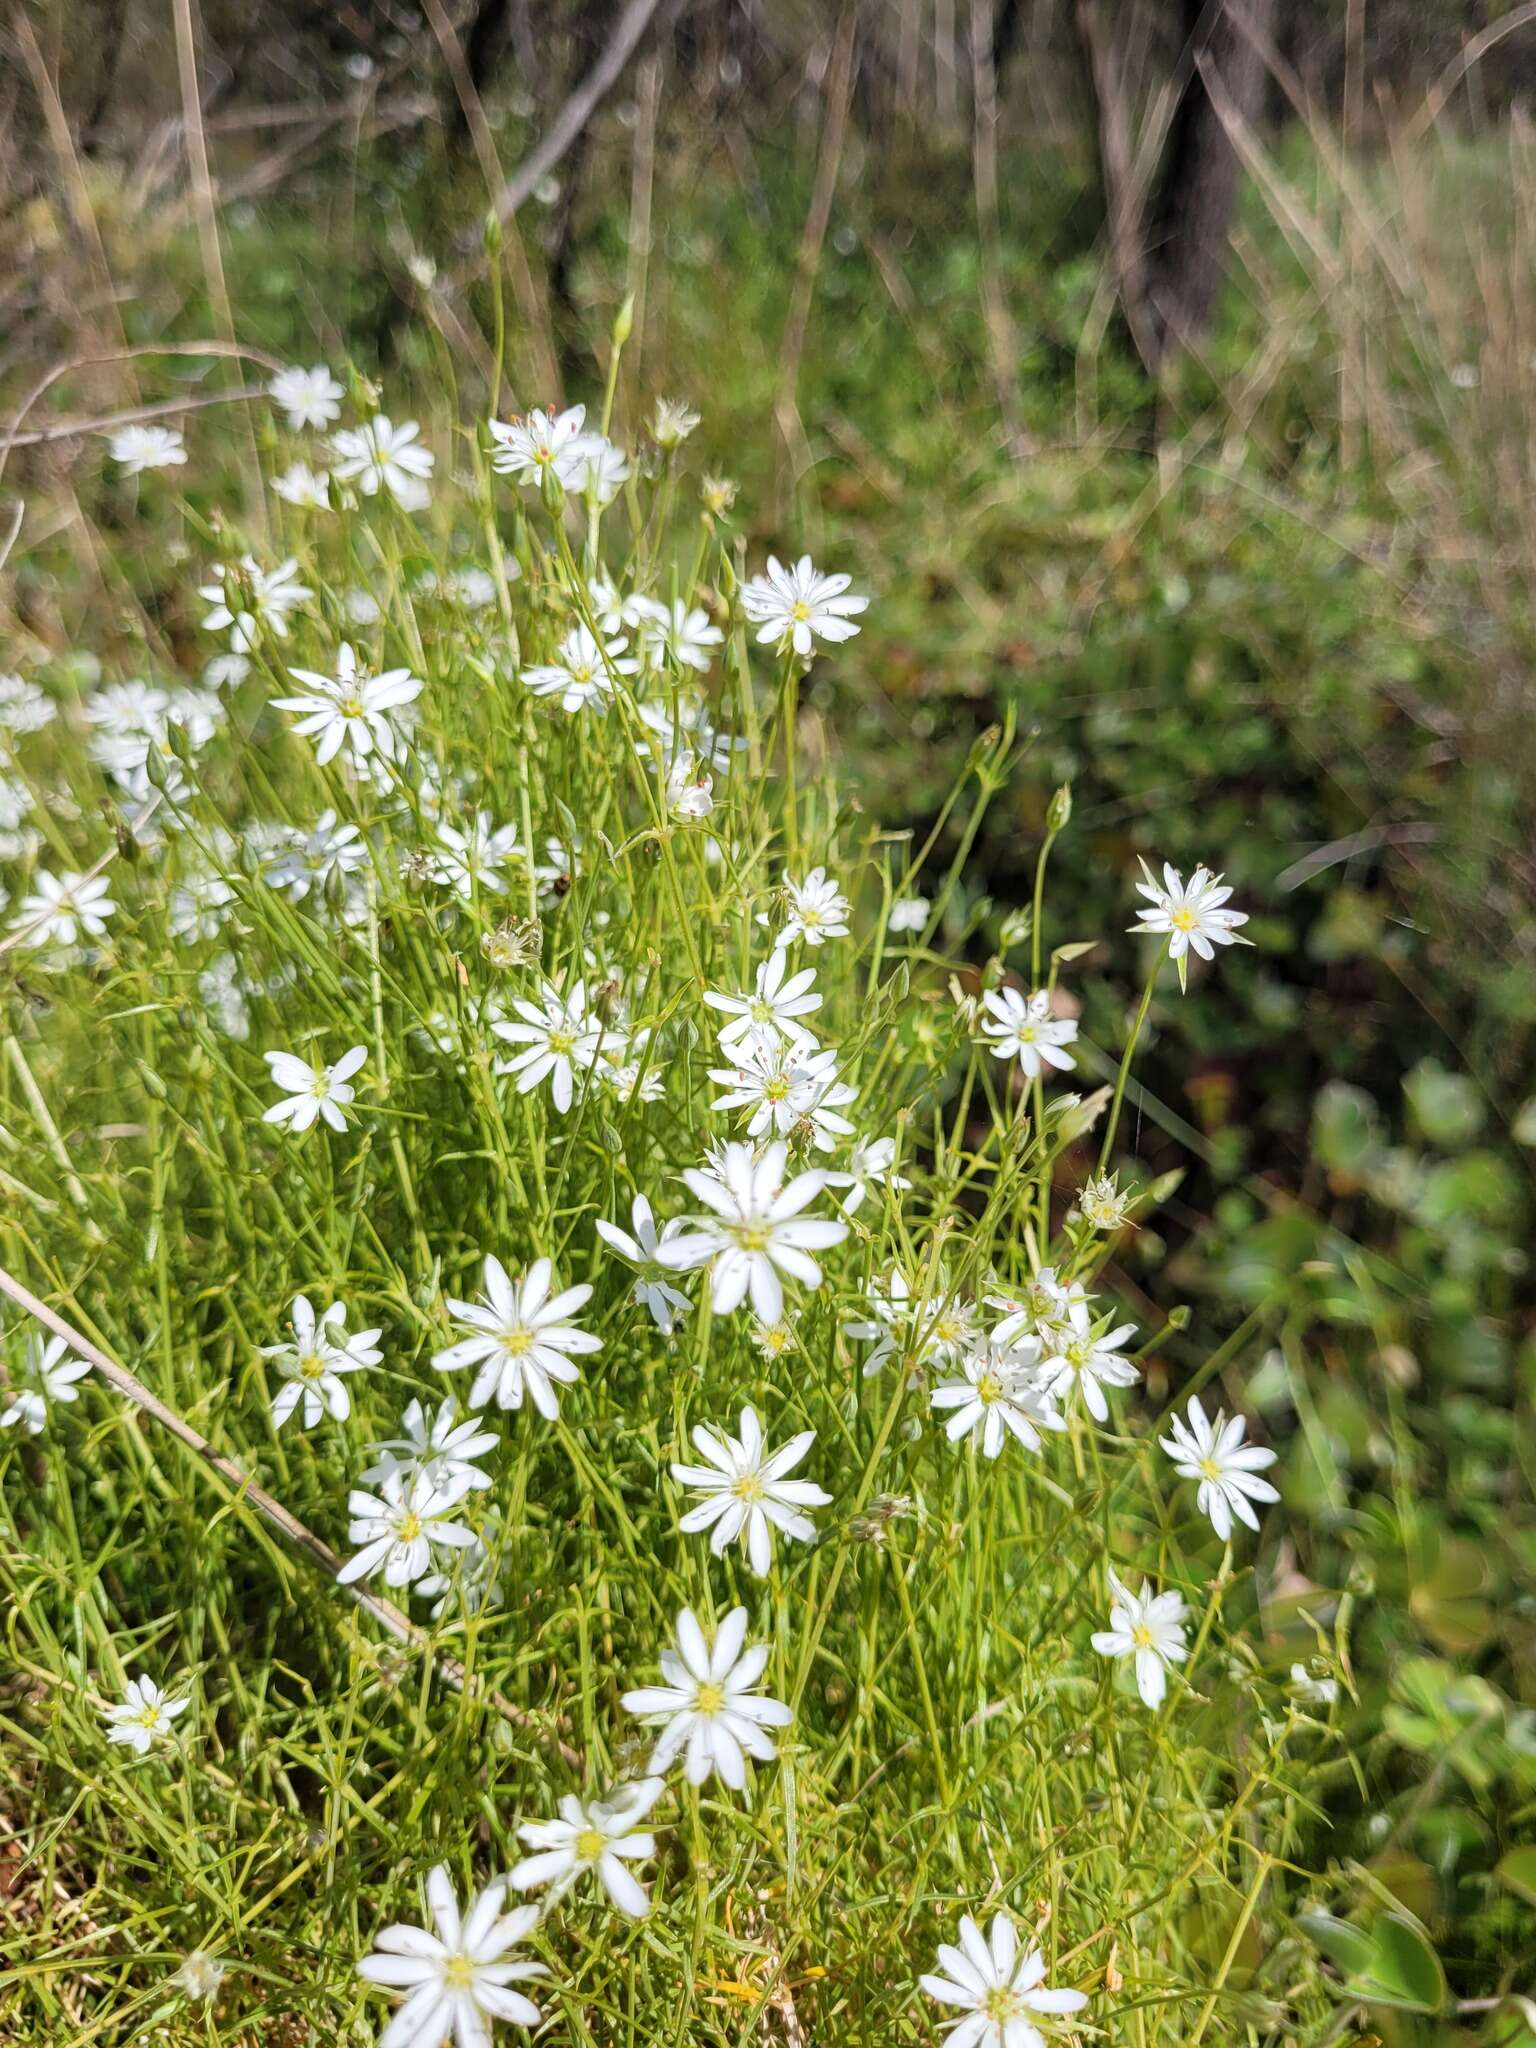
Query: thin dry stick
{"type": "Point", "coordinates": [288, 1526]}
{"type": "Point", "coordinates": [814, 234]}
{"type": "Point", "coordinates": [10, 436]}
{"type": "Point", "coordinates": [15, 517]}
{"type": "Point", "coordinates": [208, 228]}
{"type": "Point", "coordinates": [642, 179]}
{"type": "Point", "coordinates": [567, 124]}
{"type": "Point", "coordinates": [104, 423]}
{"type": "Point", "coordinates": [77, 193]}
{"type": "Point", "coordinates": [530, 306]}
{"type": "Point", "coordinates": [1001, 335]}
{"type": "Point", "coordinates": [1472, 53]}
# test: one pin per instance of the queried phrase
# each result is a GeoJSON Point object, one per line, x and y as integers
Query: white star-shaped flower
{"type": "Point", "coordinates": [818, 910]}
{"type": "Point", "coordinates": [558, 1034]}
{"type": "Point", "coordinates": [1228, 1469]}
{"type": "Point", "coordinates": [442, 1451]}
{"type": "Point", "coordinates": [64, 908]}
{"type": "Point", "coordinates": [709, 1703]}
{"type": "Point", "coordinates": [144, 1717]}
{"type": "Point", "coordinates": [519, 1338]}
{"type": "Point", "coordinates": [456, 1981]}
{"type": "Point", "coordinates": [1149, 1627]}
{"type": "Point", "coordinates": [746, 1492]}
{"type": "Point", "coordinates": [530, 448]}
{"type": "Point", "coordinates": [755, 1230]}
{"type": "Point", "coordinates": [796, 607]}
{"type": "Point", "coordinates": [310, 1091]}
{"type": "Point", "coordinates": [313, 1363]}
{"type": "Point", "coordinates": [998, 1395]}
{"type": "Point", "coordinates": [999, 1988]}
{"type": "Point", "coordinates": [663, 1302]}
{"type": "Point", "coordinates": [381, 457]}
{"type": "Point", "coordinates": [582, 673]}
{"type": "Point", "coordinates": [50, 1370]}
{"type": "Point", "coordinates": [1190, 915]}
{"type": "Point", "coordinates": [135, 449]}
{"type": "Point", "coordinates": [773, 1011]}
{"type": "Point", "coordinates": [351, 708]}
{"type": "Point", "coordinates": [601, 1835]}
{"type": "Point", "coordinates": [1084, 1358]}
{"type": "Point", "coordinates": [309, 398]}
{"type": "Point", "coordinates": [1022, 1028]}
{"type": "Point", "coordinates": [398, 1529]}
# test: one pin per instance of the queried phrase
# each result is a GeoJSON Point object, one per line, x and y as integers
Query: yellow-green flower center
{"type": "Point", "coordinates": [589, 1845]}
{"type": "Point", "coordinates": [458, 1973]}
{"type": "Point", "coordinates": [517, 1343]}
{"type": "Point", "coordinates": [710, 1698]}
{"type": "Point", "coordinates": [409, 1527]}
{"type": "Point", "coordinates": [312, 1365]}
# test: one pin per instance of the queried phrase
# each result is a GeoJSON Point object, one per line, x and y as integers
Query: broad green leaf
{"type": "Point", "coordinates": [1344, 1944]}
{"type": "Point", "coordinates": [1404, 1969]}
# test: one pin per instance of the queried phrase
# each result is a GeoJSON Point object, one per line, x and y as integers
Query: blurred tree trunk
{"type": "Point", "coordinates": [1170, 256]}
{"type": "Point", "coordinates": [1201, 171]}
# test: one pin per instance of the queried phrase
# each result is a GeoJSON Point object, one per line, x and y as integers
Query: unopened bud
{"type": "Point", "coordinates": [1061, 809]}
{"type": "Point", "coordinates": [624, 321]}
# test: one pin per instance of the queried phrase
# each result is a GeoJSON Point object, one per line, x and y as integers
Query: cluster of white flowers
{"type": "Point", "coordinates": [1003, 1364]}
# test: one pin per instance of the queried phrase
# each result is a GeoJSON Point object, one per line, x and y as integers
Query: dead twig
{"type": "Point", "coordinates": [813, 235]}
{"type": "Point", "coordinates": [566, 126]}
{"type": "Point", "coordinates": [1472, 52]}
{"type": "Point", "coordinates": [207, 212]}
{"type": "Point", "coordinates": [104, 423]}
{"type": "Point", "coordinates": [9, 435]}
{"type": "Point", "coordinates": [294, 1532]}
{"type": "Point", "coordinates": [530, 306]}
{"type": "Point", "coordinates": [1002, 338]}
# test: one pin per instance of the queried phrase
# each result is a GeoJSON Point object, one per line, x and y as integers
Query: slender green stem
{"type": "Point", "coordinates": [1125, 1060]}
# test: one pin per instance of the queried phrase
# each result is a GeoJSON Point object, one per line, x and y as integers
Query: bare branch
{"type": "Point", "coordinates": [294, 1532]}
{"type": "Point", "coordinates": [567, 124]}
